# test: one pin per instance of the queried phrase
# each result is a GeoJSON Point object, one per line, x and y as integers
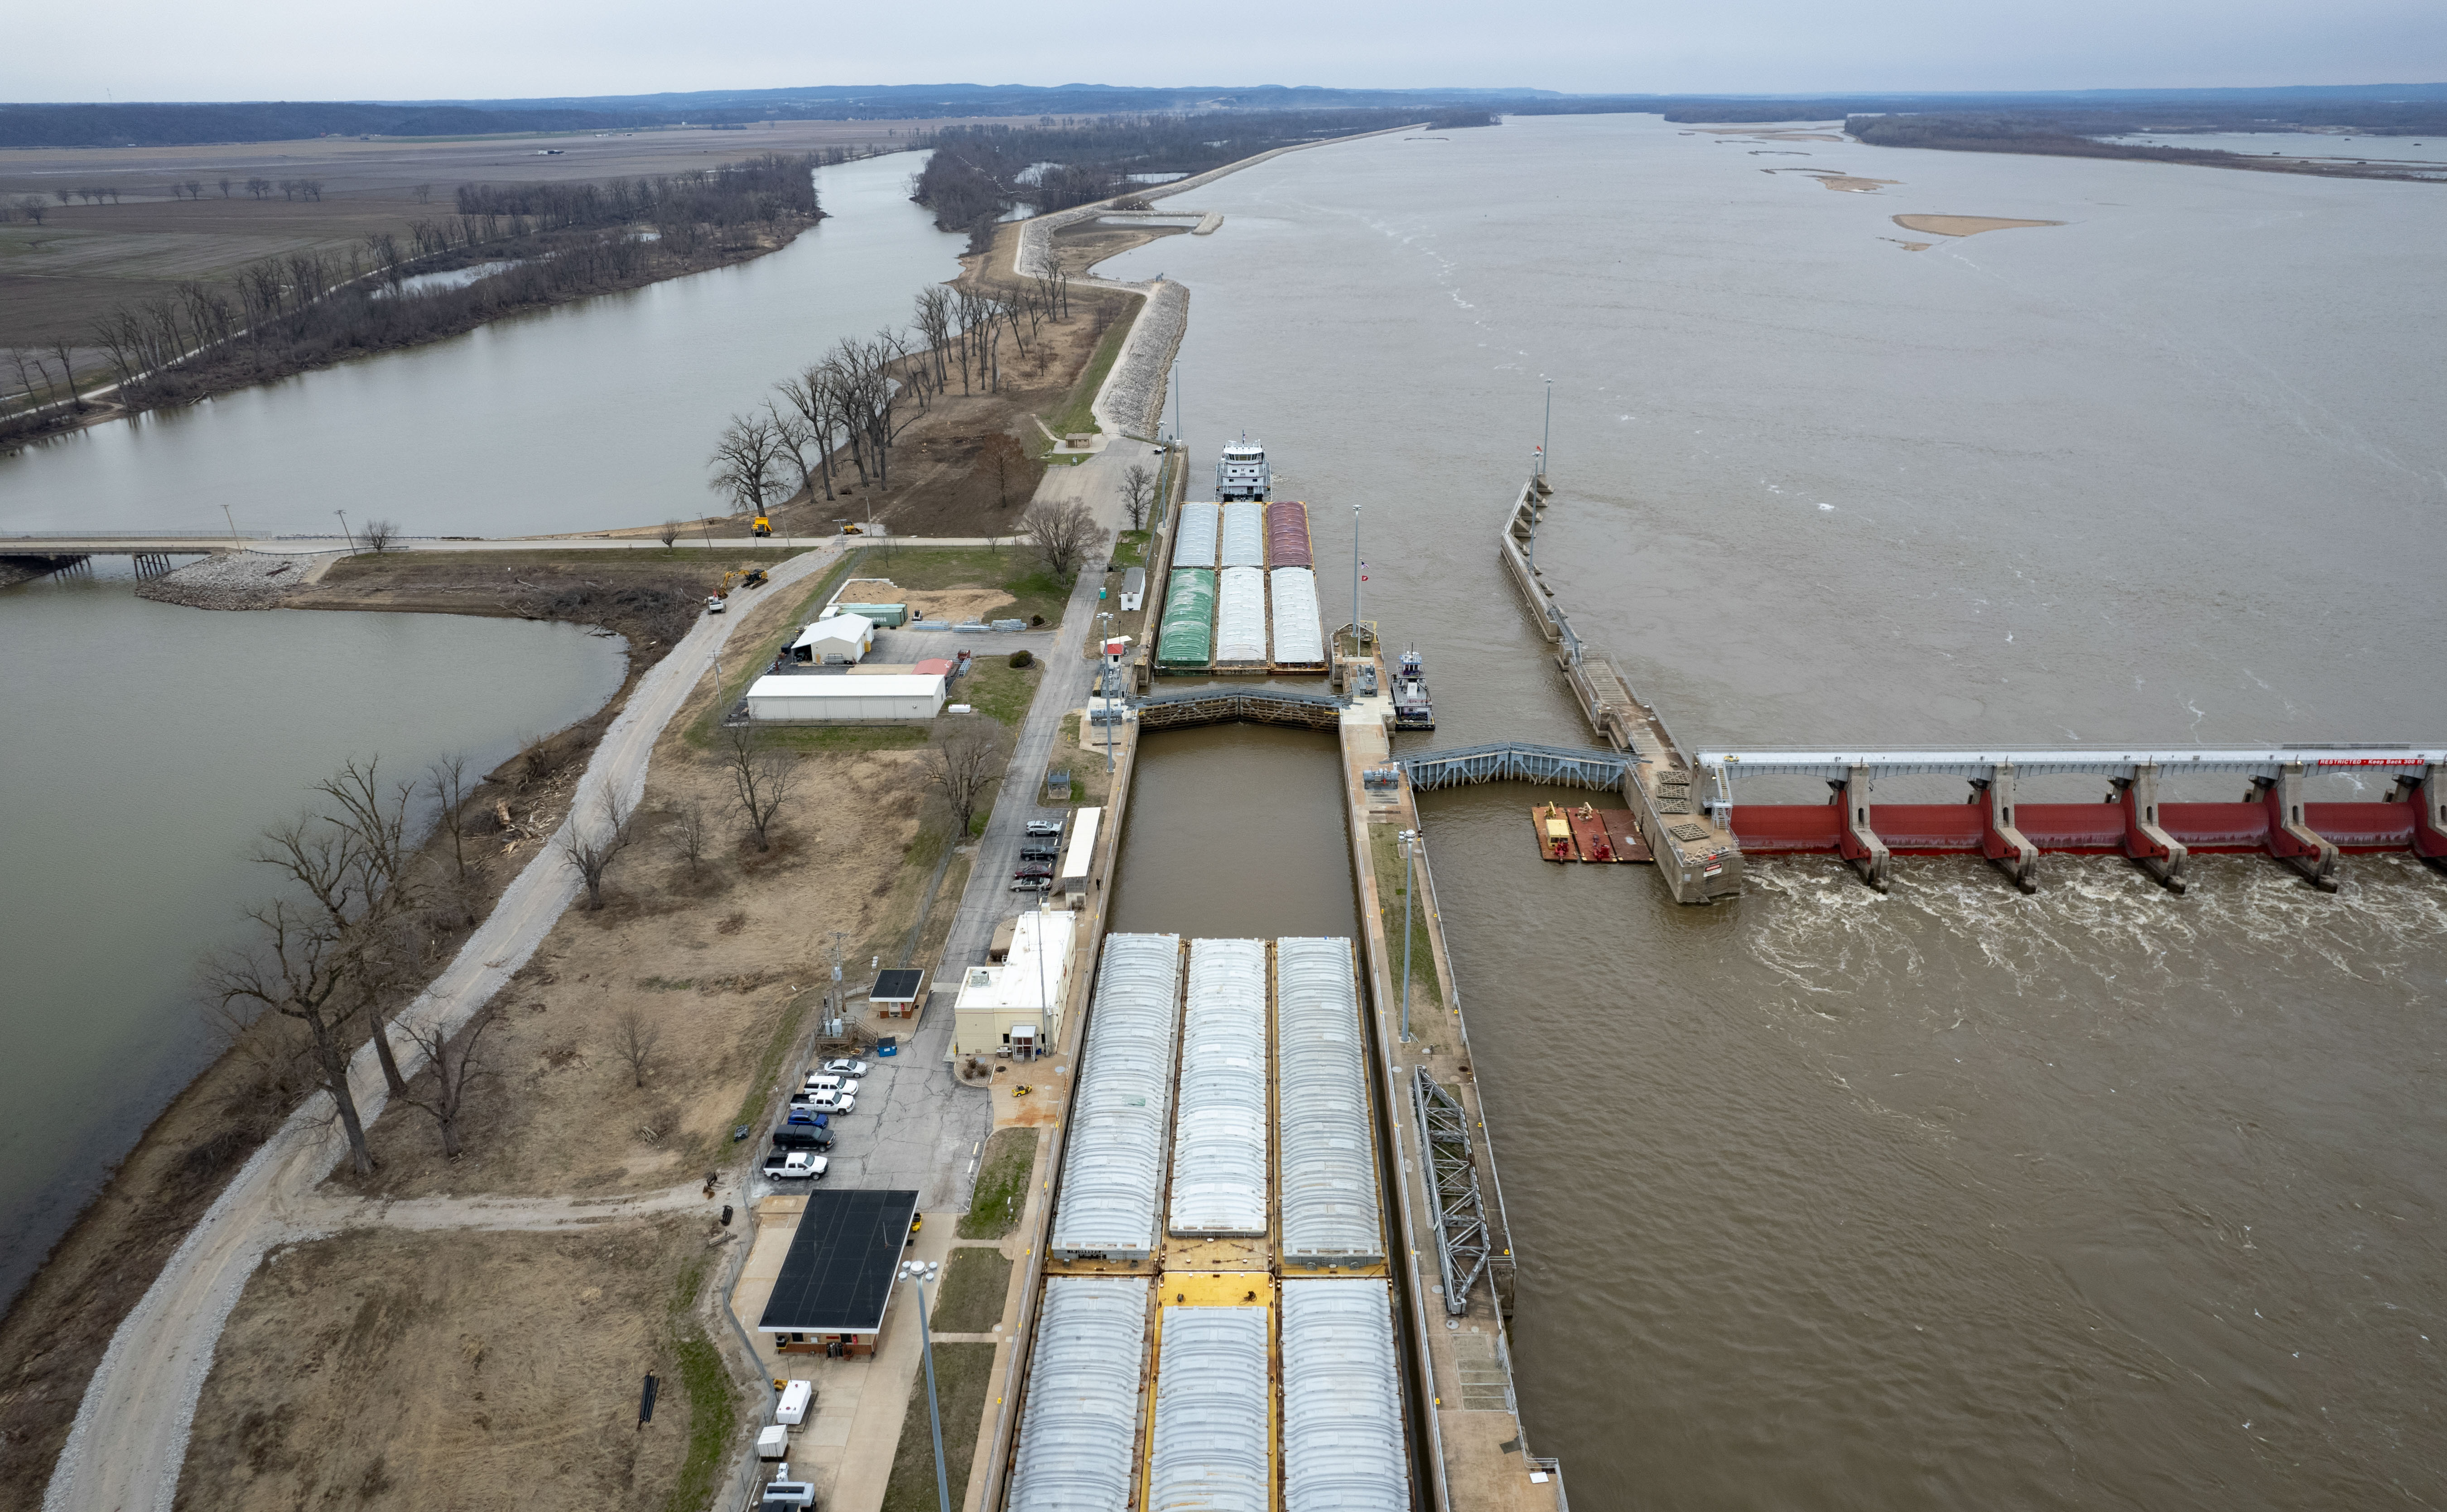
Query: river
{"type": "Point", "coordinates": [581, 417]}
{"type": "Point", "coordinates": [1949, 1198]}
{"type": "Point", "coordinates": [147, 745]}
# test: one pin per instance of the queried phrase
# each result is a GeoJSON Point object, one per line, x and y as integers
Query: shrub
{"type": "Point", "coordinates": [1021, 658]}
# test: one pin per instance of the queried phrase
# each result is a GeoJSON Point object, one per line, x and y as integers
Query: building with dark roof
{"type": "Point", "coordinates": [837, 1279]}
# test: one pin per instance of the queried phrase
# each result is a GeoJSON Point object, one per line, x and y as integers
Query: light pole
{"type": "Point", "coordinates": [934, 1411]}
{"type": "Point", "coordinates": [1354, 580]}
{"type": "Point", "coordinates": [345, 532]}
{"type": "Point", "coordinates": [233, 525]}
{"type": "Point", "coordinates": [1409, 840]}
{"type": "Point", "coordinates": [1547, 434]}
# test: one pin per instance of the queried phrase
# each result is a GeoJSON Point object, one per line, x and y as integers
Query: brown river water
{"type": "Point", "coordinates": [1949, 1198]}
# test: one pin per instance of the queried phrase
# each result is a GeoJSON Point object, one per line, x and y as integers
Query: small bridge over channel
{"type": "Point", "coordinates": [1226, 705]}
{"type": "Point", "coordinates": [1513, 762]}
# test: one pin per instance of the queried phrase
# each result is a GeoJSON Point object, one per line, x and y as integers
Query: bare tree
{"type": "Point", "coordinates": [67, 374]}
{"type": "Point", "coordinates": [590, 849]}
{"type": "Point", "coordinates": [456, 1065]}
{"type": "Point", "coordinates": [761, 777]}
{"type": "Point", "coordinates": [636, 1038]}
{"type": "Point", "coordinates": [225, 188]}
{"type": "Point", "coordinates": [961, 763]}
{"type": "Point", "coordinates": [745, 459]}
{"type": "Point", "coordinates": [669, 533]}
{"type": "Point", "coordinates": [1138, 491]}
{"type": "Point", "coordinates": [810, 395]}
{"type": "Point", "coordinates": [424, 193]}
{"type": "Point", "coordinates": [32, 208]}
{"type": "Point", "coordinates": [447, 780]}
{"type": "Point", "coordinates": [1065, 533]}
{"type": "Point", "coordinates": [295, 970]}
{"type": "Point", "coordinates": [195, 188]}
{"type": "Point", "coordinates": [259, 187]}
{"type": "Point", "coordinates": [1004, 460]}
{"type": "Point", "coordinates": [378, 533]}
{"type": "Point", "coordinates": [689, 820]}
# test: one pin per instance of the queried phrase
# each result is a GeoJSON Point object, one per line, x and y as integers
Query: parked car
{"type": "Point", "coordinates": [844, 1067]}
{"type": "Point", "coordinates": [806, 1113]}
{"type": "Point", "coordinates": [801, 1166]}
{"type": "Point", "coordinates": [1039, 853]}
{"type": "Point", "coordinates": [1032, 884]}
{"type": "Point", "coordinates": [846, 1101]}
{"type": "Point", "coordinates": [773, 1164]}
{"type": "Point", "coordinates": [1045, 826]}
{"type": "Point", "coordinates": [802, 1137]}
{"type": "Point", "coordinates": [1035, 869]}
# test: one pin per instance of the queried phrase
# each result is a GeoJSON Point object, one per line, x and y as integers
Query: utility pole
{"type": "Point", "coordinates": [233, 525]}
{"type": "Point", "coordinates": [1409, 839]}
{"type": "Point", "coordinates": [344, 528]}
{"type": "Point", "coordinates": [934, 1408]}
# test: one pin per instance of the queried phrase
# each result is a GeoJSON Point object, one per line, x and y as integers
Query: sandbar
{"type": "Point", "coordinates": [1964, 225]}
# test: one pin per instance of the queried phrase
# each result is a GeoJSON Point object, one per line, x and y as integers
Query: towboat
{"type": "Point", "coordinates": [1242, 472]}
{"type": "Point", "coordinates": [1411, 708]}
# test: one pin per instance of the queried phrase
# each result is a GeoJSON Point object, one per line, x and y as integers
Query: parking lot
{"type": "Point", "coordinates": [914, 1126]}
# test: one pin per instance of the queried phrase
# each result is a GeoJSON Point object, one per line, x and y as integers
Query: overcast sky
{"type": "Point", "coordinates": [308, 50]}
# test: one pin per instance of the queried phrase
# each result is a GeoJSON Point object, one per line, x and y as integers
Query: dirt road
{"type": "Point", "coordinates": [130, 1438]}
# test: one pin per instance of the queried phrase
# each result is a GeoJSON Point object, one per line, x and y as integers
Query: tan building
{"type": "Point", "coordinates": [1015, 1009]}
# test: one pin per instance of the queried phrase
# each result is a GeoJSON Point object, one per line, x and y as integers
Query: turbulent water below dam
{"type": "Point", "coordinates": [1949, 1198]}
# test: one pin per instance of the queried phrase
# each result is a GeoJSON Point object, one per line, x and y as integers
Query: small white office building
{"type": "Point", "coordinates": [842, 638]}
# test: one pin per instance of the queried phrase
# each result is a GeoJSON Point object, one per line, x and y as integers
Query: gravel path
{"type": "Point", "coordinates": [129, 1441]}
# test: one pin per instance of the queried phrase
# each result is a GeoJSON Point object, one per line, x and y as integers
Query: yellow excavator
{"type": "Point", "coordinates": [744, 576]}
{"type": "Point", "coordinates": [762, 527]}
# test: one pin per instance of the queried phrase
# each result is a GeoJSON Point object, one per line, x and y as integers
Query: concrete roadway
{"type": "Point", "coordinates": [129, 1441]}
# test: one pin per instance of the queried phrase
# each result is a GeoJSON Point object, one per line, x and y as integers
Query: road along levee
{"type": "Point", "coordinates": [129, 1440]}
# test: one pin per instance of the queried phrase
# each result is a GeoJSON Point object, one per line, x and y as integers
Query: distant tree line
{"type": "Point", "coordinates": [283, 314]}
{"type": "Point", "coordinates": [979, 172]}
{"type": "Point", "coordinates": [2078, 135]}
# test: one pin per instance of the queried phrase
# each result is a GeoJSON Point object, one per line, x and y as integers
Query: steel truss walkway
{"type": "Point", "coordinates": [1463, 1246]}
{"type": "Point", "coordinates": [1555, 766]}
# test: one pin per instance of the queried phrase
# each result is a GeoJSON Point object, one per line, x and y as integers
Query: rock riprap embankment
{"type": "Point", "coordinates": [1136, 392]}
{"type": "Point", "coordinates": [238, 579]}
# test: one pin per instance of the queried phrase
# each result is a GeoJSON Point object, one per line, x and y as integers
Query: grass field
{"type": "Point", "coordinates": [975, 1284]}
{"type": "Point", "coordinates": [961, 1374]}
{"type": "Point", "coordinates": [1002, 1184]}
{"type": "Point", "coordinates": [1077, 416]}
{"type": "Point", "coordinates": [1016, 570]}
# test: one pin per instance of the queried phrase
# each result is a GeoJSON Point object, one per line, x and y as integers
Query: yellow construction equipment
{"type": "Point", "coordinates": [762, 527]}
{"type": "Point", "coordinates": [744, 577]}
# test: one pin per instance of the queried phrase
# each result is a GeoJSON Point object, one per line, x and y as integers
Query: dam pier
{"type": "Point", "coordinates": [1683, 799]}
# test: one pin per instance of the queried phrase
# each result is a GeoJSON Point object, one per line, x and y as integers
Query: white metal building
{"type": "Point", "coordinates": [1242, 539]}
{"type": "Point", "coordinates": [1195, 545]}
{"type": "Point", "coordinates": [1342, 1415]}
{"type": "Point", "coordinates": [1326, 1155]}
{"type": "Point", "coordinates": [1241, 618]}
{"type": "Point", "coordinates": [814, 698]}
{"type": "Point", "coordinates": [1299, 635]}
{"type": "Point", "coordinates": [1078, 1434]}
{"type": "Point", "coordinates": [1079, 852]}
{"type": "Point", "coordinates": [1219, 1130]}
{"type": "Point", "coordinates": [841, 638]}
{"type": "Point", "coordinates": [1209, 1447]}
{"type": "Point", "coordinates": [1016, 1007]}
{"type": "Point", "coordinates": [1112, 1166]}
{"type": "Point", "coordinates": [1134, 589]}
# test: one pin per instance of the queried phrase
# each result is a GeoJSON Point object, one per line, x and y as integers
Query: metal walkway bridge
{"type": "Point", "coordinates": [1510, 762]}
{"type": "Point", "coordinates": [1254, 705]}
